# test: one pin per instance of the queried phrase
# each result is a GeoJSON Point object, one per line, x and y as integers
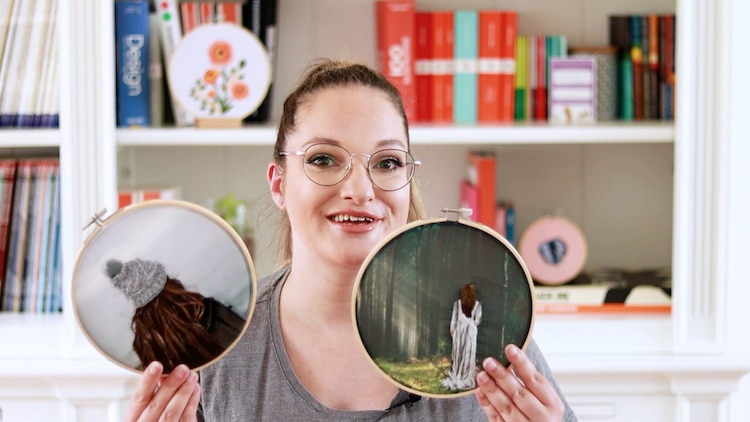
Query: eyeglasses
{"type": "Point", "coordinates": [328, 164]}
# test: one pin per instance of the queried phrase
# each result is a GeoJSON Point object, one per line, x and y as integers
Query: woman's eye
{"type": "Point", "coordinates": [388, 163]}
{"type": "Point", "coordinates": [321, 160]}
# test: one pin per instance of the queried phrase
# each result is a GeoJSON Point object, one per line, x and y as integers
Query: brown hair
{"type": "Point", "coordinates": [168, 329]}
{"type": "Point", "coordinates": [320, 75]}
{"type": "Point", "coordinates": [468, 298]}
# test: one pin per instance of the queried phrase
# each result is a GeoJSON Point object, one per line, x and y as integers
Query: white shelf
{"type": "Point", "coordinates": [30, 138]}
{"type": "Point", "coordinates": [525, 133]}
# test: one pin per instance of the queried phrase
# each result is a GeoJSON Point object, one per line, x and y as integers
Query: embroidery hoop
{"type": "Point", "coordinates": [550, 229]}
{"type": "Point", "coordinates": [188, 68]}
{"type": "Point", "coordinates": [437, 246]}
{"type": "Point", "coordinates": [195, 246]}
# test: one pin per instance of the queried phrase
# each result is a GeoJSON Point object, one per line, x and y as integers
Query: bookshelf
{"type": "Point", "coordinates": [686, 366]}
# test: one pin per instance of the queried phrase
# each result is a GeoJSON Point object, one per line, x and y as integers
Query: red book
{"type": "Point", "coordinates": [395, 48]}
{"type": "Point", "coordinates": [540, 65]}
{"type": "Point", "coordinates": [189, 15]}
{"type": "Point", "coordinates": [481, 175]}
{"type": "Point", "coordinates": [488, 78]}
{"type": "Point", "coordinates": [506, 87]}
{"type": "Point", "coordinates": [442, 66]}
{"type": "Point", "coordinates": [7, 178]}
{"type": "Point", "coordinates": [424, 27]}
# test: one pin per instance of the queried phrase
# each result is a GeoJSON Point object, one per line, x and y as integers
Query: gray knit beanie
{"type": "Point", "coordinates": [140, 280]}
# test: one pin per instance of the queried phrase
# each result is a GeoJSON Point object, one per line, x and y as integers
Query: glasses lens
{"type": "Point", "coordinates": [391, 169]}
{"type": "Point", "coordinates": [326, 164]}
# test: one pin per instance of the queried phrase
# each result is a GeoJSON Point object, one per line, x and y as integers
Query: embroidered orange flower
{"type": "Point", "coordinates": [210, 76]}
{"type": "Point", "coordinates": [220, 53]}
{"type": "Point", "coordinates": [240, 90]}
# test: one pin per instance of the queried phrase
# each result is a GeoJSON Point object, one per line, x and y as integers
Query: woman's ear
{"type": "Point", "coordinates": [275, 183]}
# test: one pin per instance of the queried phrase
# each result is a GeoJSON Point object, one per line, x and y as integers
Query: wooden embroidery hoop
{"type": "Point", "coordinates": [459, 251]}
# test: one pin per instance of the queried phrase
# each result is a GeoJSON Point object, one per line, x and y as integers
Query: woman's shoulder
{"type": "Point", "coordinates": [267, 284]}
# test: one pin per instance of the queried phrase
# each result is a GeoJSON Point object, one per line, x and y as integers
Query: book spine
{"type": "Point", "coordinates": [507, 77]}
{"type": "Point", "coordinates": [572, 90]}
{"type": "Point", "coordinates": [131, 35]}
{"type": "Point", "coordinates": [636, 58]}
{"type": "Point", "coordinates": [189, 16]}
{"type": "Point", "coordinates": [540, 92]}
{"type": "Point", "coordinates": [481, 174]}
{"type": "Point", "coordinates": [489, 66]}
{"type": "Point", "coordinates": [7, 178]}
{"type": "Point", "coordinates": [259, 16]}
{"type": "Point", "coordinates": [171, 33]}
{"type": "Point", "coordinates": [520, 103]}
{"type": "Point", "coordinates": [395, 25]}
{"type": "Point", "coordinates": [155, 73]}
{"type": "Point", "coordinates": [423, 69]}
{"type": "Point", "coordinates": [443, 66]}
{"type": "Point", "coordinates": [653, 65]}
{"type": "Point", "coordinates": [466, 33]}
{"type": "Point", "coordinates": [14, 56]}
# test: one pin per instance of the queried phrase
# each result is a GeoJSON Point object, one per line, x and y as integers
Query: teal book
{"type": "Point", "coordinates": [465, 46]}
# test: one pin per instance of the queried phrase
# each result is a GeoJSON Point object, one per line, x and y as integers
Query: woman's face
{"type": "Point", "coordinates": [341, 224]}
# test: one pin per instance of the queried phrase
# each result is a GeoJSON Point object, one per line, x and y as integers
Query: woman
{"type": "Point", "coordinates": [465, 317]}
{"type": "Point", "coordinates": [300, 358]}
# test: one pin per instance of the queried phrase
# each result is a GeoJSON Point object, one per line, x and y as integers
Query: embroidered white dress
{"type": "Point", "coordinates": [464, 329]}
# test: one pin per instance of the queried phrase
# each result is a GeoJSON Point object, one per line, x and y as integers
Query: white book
{"type": "Point", "coordinates": [155, 72]}
{"type": "Point", "coordinates": [6, 10]}
{"type": "Point", "coordinates": [14, 52]}
{"type": "Point", "coordinates": [31, 72]}
{"type": "Point", "coordinates": [50, 44]}
{"type": "Point", "coordinates": [171, 34]}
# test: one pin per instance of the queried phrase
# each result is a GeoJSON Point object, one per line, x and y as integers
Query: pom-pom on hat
{"type": "Point", "coordinates": [140, 280]}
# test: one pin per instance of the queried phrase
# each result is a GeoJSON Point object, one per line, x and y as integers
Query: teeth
{"type": "Point", "coordinates": [342, 218]}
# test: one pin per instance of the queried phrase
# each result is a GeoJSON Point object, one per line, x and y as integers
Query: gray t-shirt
{"type": "Point", "coordinates": [255, 380]}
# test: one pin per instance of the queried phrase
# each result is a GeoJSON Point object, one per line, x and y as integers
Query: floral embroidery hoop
{"type": "Point", "coordinates": [220, 73]}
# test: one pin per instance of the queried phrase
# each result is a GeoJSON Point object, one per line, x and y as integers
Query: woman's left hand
{"type": "Point", "coordinates": [523, 396]}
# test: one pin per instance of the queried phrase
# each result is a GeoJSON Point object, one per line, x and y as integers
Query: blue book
{"type": "Point", "coordinates": [132, 52]}
{"type": "Point", "coordinates": [465, 52]}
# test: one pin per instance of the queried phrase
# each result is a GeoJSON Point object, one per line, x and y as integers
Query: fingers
{"type": "Point", "coordinates": [531, 378]}
{"type": "Point", "coordinates": [171, 398]}
{"type": "Point", "coordinates": [501, 395]}
{"type": "Point", "coordinates": [523, 396]}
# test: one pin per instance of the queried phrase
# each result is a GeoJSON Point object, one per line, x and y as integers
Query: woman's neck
{"type": "Point", "coordinates": [322, 293]}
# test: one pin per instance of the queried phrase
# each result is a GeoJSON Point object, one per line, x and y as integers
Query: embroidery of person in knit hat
{"type": "Point", "coordinates": [172, 324]}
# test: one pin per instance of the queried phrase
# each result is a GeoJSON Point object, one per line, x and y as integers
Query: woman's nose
{"type": "Point", "coordinates": [357, 185]}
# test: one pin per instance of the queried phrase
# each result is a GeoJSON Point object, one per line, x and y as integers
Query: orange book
{"type": "Point", "coordinates": [395, 48]}
{"type": "Point", "coordinates": [189, 15]}
{"type": "Point", "coordinates": [469, 198]}
{"type": "Point", "coordinates": [442, 67]}
{"type": "Point", "coordinates": [481, 175]}
{"type": "Point", "coordinates": [424, 27]}
{"type": "Point", "coordinates": [488, 78]}
{"type": "Point", "coordinates": [506, 87]}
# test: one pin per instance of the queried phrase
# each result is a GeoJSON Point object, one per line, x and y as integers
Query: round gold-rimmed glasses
{"type": "Point", "coordinates": [328, 165]}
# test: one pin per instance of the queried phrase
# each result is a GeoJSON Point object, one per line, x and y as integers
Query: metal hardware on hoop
{"type": "Point", "coordinates": [96, 219]}
{"type": "Point", "coordinates": [453, 214]}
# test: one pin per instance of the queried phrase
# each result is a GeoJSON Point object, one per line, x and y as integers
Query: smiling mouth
{"type": "Point", "coordinates": [351, 219]}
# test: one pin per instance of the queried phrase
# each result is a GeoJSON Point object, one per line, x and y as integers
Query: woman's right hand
{"type": "Point", "coordinates": [173, 397]}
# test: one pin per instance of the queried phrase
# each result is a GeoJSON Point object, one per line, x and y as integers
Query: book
{"type": "Point", "coordinates": [128, 196]}
{"type": "Point", "coordinates": [521, 102]}
{"type": "Point", "coordinates": [13, 61]}
{"type": "Point", "coordinates": [481, 175]}
{"type": "Point", "coordinates": [507, 72]}
{"type": "Point", "coordinates": [442, 66]}
{"type": "Point", "coordinates": [395, 23]}
{"type": "Point", "coordinates": [488, 82]}
{"type": "Point", "coordinates": [155, 73]}
{"type": "Point", "coordinates": [572, 90]}
{"type": "Point", "coordinates": [132, 58]}
{"type": "Point", "coordinates": [7, 181]}
{"type": "Point", "coordinates": [606, 79]}
{"type": "Point", "coordinates": [32, 67]}
{"type": "Point", "coordinates": [465, 52]}
{"type": "Point", "coordinates": [170, 31]}
{"type": "Point", "coordinates": [18, 231]}
{"type": "Point", "coordinates": [260, 17]}
{"type": "Point", "coordinates": [424, 77]}
{"type": "Point", "coordinates": [48, 79]}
